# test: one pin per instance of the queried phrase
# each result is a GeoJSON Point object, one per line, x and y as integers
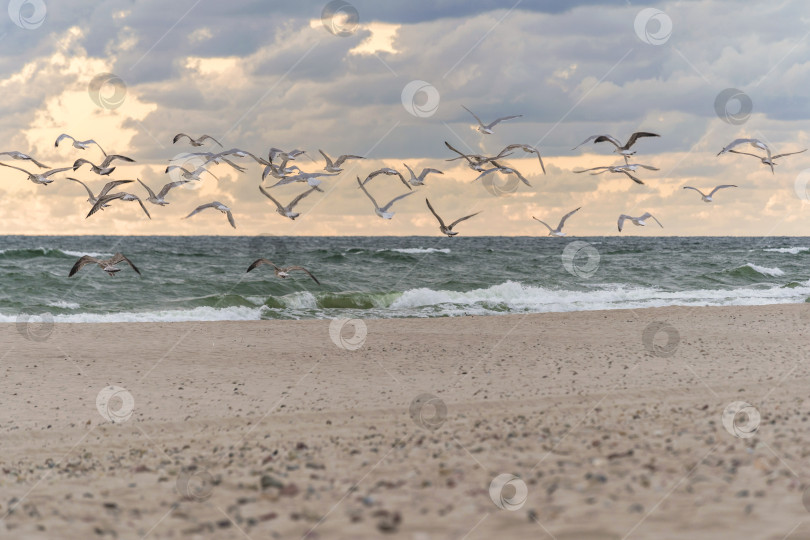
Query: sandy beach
{"type": "Point", "coordinates": [611, 421]}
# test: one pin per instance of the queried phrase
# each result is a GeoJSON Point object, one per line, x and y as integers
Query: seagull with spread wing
{"type": "Point", "coordinates": [420, 180]}
{"type": "Point", "coordinates": [558, 230]}
{"type": "Point", "coordinates": [93, 199]}
{"type": "Point", "coordinates": [159, 199]}
{"type": "Point", "coordinates": [637, 221]}
{"type": "Point", "coordinates": [39, 178]}
{"type": "Point", "coordinates": [24, 157]}
{"type": "Point", "coordinates": [287, 211]}
{"type": "Point", "coordinates": [708, 198]}
{"type": "Point", "coordinates": [389, 172]}
{"type": "Point", "coordinates": [104, 201]}
{"type": "Point", "coordinates": [80, 145]}
{"type": "Point", "coordinates": [486, 129]}
{"type": "Point", "coordinates": [623, 149]}
{"type": "Point", "coordinates": [447, 229]}
{"type": "Point", "coordinates": [281, 272]}
{"type": "Point", "coordinates": [104, 169]}
{"type": "Point", "coordinates": [199, 141]}
{"type": "Point", "coordinates": [107, 265]}
{"type": "Point", "coordinates": [335, 166]}
{"type": "Point", "coordinates": [217, 206]}
{"type": "Point", "coordinates": [384, 211]}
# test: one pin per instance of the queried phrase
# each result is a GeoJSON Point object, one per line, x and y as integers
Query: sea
{"type": "Point", "coordinates": [204, 278]}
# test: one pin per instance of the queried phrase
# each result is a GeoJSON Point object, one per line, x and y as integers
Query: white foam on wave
{"type": "Point", "coordinates": [63, 304]}
{"type": "Point", "coordinates": [791, 250]}
{"type": "Point", "coordinates": [203, 313]}
{"type": "Point", "coordinates": [299, 300]}
{"type": "Point", "coordinates": [414, 251]}
{"type": "Point", "coordinates": [63, 251]}
{"type": "Point", "coordinates": [764, 270]}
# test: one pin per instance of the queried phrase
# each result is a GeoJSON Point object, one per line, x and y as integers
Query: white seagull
{"type": "Point", "coordinates": [39, 178]}
{"type": "Point", "coordinates": [708, 198]}
{"type": "Point", "coordinates": [190, 175]}
{"type": "Point", "coordinates": [287, 211]}
{"type": "Point", "coordinates": [334, 166]}
{"type": "Point", "coordinates": [625, 169]}
{"type": "Point", "coordinates": [103, 169]}
{"type": "Point", "coordinates": [283, 272]}
{"type": "Point", "coordinates": [104, 201]}
{"type": "Point", "coordinates": [81, 145]}
{"type": "Point", "coordinates": [383, 211]}
{"type": "Point", "coordinates": [159, 199]}
{"type": "Point", "coordinates": [108, 265]}
{"type": "Point", "coordinates": [387, 171]}
{"type": "Point", "coordinates": [558, 230]}
{"type": "Point", "coordinates": [194, 142]}
{"type": "Point", "coordinates": [291, 155]}
{"type": "Point", "coordinates": [93, 199]}
{"type": "Point", "coordinates": [504, 170]}
{"type": "Point", "coordinates": [309, 178]}
{"type": "Point", "coordinates": [638, 221]}
{"type": "Point", "coordinates": [526, 148]}
{"type": "Point", "coordinates": [769, 160]}
{"type": "Point", "coordinates": [218, 206]}
{"type": "Point", "coordinates": [620, 149]}
{"type": "Point", "coordinates": [487, 128]}
{"type": "Point", "coordinates": [420, 180]}
{"type": "Point", "coordinates": [25, 157]}
{"type": "Point", "coordinates": [448, 229]}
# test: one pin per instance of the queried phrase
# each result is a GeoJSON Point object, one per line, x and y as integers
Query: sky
{"type": "Point", "coordinates": [387, 81]}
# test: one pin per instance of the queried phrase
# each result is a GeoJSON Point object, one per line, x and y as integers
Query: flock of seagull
{"type": "Point", "coordinates": [281, 165]}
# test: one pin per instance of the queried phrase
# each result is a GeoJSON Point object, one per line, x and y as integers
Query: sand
{"type": "Point", "coordinates": [268, 429]}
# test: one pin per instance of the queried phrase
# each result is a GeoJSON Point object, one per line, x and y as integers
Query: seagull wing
{"type": "Point", "coordinates": [341, 159]}
{"type": "Point", "coordinates": [696, 189]}
{"type": "Point", "coordinates": [111, 158]}
{"type": "Point", "coordinates": [259, 262]}
{"type": "Point", "coordinates": [149, 190]}
{"type": "Point", "coordinates": [120, 257]}
{"type": "Point", "coordinates": [633, 178]}
{"type": "Point", "coordinates": [522, 178]}
{"type": "Point", "coordinates": [745, 154]}
{"type": "Point", "coordinates": [328, 161]}
{"type": "Point", "coordinates": [37, 163]}
{"type": "Point", "coordinates": [278, 204]}
{"type": "Point", "coordinates": [734, 143]}
{"type": "Point", "coordinates": [102, 200]}
{"type": "Point", "coordinates": [291, 268]}
{"type": "Point", "coordinates": [395, 199]}
{"type": "Point", "coordinates": [109, 185]}
{"type": "Point", "coordinates": [168, 187]}
{"type": "Point", "coordinates": [621, 221]}
{"type": "Point", "coordinates": [459, 220]}
{"type": "Point", "coordinates": [544, 223]}
{"type": "Point", "coordinates": [788, 154]}
{"type": "Point", "coordinates": [81, 263]}
{"type": "Point", "coordinates": [637, 135]}
{"type": "Point", "coordinates": [367, 193]}
{"type": "Point", "coordinates": [54, 171]}
{"type": "Point", "coordinates": [230, 219]}
{"type": "Point", "coordinates": [85, 187]}
{"type": "Point", "coordinates": [589, 139]}
{"type": "Point", "coordinates": [203, 207]}
{"type": "Point", "coordinates": [62, 137]}
{"type": "Point", "coordinates": [179, 136]}
{"type": "Point", "coordinates": [719, 187]}
{"type": "Point", "coordinates": [91, 141]}
{"type": "Point", "coordinates": [566, 216]}
{"type": "Point", "coordinates": [201, 139]}
{"type": "Point", "coordinates": [502, 119]}
{"type": "Point", "coordinates": [296, 200]}
{"type": "Point", "coordinates": [608, 138]}
{"type": "Point", "coordinates": [648, 215]}
{"type": "Point", "coordinates": [474, 115]}
{"type": "Point", "coordinates": [14, 167]}
{"type": "Point", "coordinates": [603, 169]}
{"type": "Point", "coordinates": [432, 211]}
{"type": "Point", "coordinates": [648, 167]}
{"type": "Point", "coordinates": [486, 172]}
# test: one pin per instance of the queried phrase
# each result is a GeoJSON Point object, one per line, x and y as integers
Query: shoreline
{"type": "Point", "coordinates": [613, 421]}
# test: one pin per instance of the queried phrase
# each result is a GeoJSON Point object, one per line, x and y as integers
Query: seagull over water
{"type": "Point", "coordinates": [24, 157]}
{"type": "Point", "coordinates": [81, 145]}
{"type": "Point", "coordinates": [420, 180]}
{"type": "Point", "coordinates": [104, 200]}
{"type": "Point", "coordinates": [558, 230]}
{"type": "Point", "coordinates": [287, 211]}
{"type": "Point", "coordinates": [108, 265]}
{"type": "Point", "coordinates": [620, 149]}
{"type": "Point", "coordinates": [283, 272]}
{"type": "Point", "coordinates": [93, 199]}
{"type": "Point", "coordinates": [384, 211]}
{"type": "Point", "coordinates": [487, 128]}
{"type": "Point", "coordinates": [195, 142]}
{"type": "Point", "coordinates": [447, 229]}
{"type": "Point", "coordinates": [159, 198]}
{"type": "Point", "coordinates": [334, 166]}
{"type": "Point", "coordinates": [39, 178]}
{"type": "Point", "coordinates": [638, 221]}
{"type": "Point", "coordinates": [103, 169]}
{"type": "Point", "coordinates": [218, 206]}
{"type": "Point", "coordinates": [708, 198]}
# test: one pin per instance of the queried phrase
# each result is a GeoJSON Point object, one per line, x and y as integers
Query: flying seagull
{"type": "Point", "coordinates": [526, 148]}
{"type": "Point", "coordinates": [558, 230]}
{"type": "Point", "coordinates": [159, 198]}
{"type": "Point", "coordinates": [194, 142]}
{"type": "Point", "coordinates": [334, 166]}
{"type": "Point", "coordinates": [189, 175]}
{"type": "Point", "coordinates": [103, 201]}
{"type": "Point", "coordinates": [210, 157]}
{"type": "Point", "coordinates": [638, 221]}
{"type": "Point", "coordinates": [387, 171]}
{"type": "Point", "coordinates": [487, 128]}
{"type": "Point", "coordinates": [309, 178]}
{"type": "Point", "coordinates": [626, 169]}
{"type": "Point", "coordinates": [287, 211]}
{"type": "Point", "coordinates": [620, 149]}
{"type": "Point", "coordinates": [25, 157]}
{"type": "Point", "coordinates": [93, 199]}
{"type": "Point", "coordinates": [279, 171]}
{"type": "Point", "coordinates": [420, 180]}
{"type": "Point", "coordinates": [103, 169]}
{"type": "Point", "coordinates": [448, 229]}
{"type": "Point", "coordinates": [283, 272]}
{"type": "Point", "coordinates": [769, 161]}
{"type": "Point", "coordinates": [217, 205]}
{"type": "Point", "coordinates": [39, 178]}
{"type": "Point", "coordinates": [475, 162]}
{"type": "Point", "coordinates": [291, 155]}
{"type": "Point", "coordinates": [504, 170]}
{"type": "Point", "coordinates": [81, 145]}
{"type": "Point", "coordinates": [108, 265]}
{"type": "Point", "coordinates": [756, 143]}
{"type": "Point", "coordinates": [384, 211]}
{"type": "Point", "coordinates": [708, 198]}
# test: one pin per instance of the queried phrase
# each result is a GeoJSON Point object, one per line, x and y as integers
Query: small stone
{"type": "Point", "coordinates": [636, 508]}
{"type": "Point", "coordinates": [268, 481]}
